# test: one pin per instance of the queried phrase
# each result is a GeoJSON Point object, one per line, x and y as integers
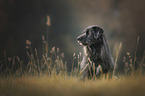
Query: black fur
{"type": "Point", "coordinates": [96, 52]}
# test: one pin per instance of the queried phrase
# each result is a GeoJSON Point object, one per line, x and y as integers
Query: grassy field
{"type": "Point", "coordinates": [49, 76]}
{"type": "Point", "coordinates": [59, 85]}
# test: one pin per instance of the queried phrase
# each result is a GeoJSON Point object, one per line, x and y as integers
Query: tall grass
{"type": "Point", "coordinates": [52, 62]}
{"type": "Point", "coordinates": [48, 75]}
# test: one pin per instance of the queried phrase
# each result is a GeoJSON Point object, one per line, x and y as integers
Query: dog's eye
{"type": "Point", "coordinates": [87, 32]}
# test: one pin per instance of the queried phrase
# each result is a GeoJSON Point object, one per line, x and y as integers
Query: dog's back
{"type": "Point", "coordinates": [96, 52]}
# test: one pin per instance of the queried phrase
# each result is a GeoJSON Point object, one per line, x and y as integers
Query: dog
{"type": "Point", "coordinates": [97, 58]}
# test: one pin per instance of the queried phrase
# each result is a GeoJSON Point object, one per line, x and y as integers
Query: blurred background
{"type": "Point", "coordinates": [21, 20]}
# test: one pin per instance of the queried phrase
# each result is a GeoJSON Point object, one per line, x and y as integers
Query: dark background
{"type": "Point", "coordinates": [21, 20]}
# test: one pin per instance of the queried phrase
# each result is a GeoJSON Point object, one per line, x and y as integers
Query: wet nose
{"type": "Point", "coordinates": [78, 38]}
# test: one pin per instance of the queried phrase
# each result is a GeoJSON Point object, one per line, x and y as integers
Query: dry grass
{"type": "Point", "coordinates": [48, 76]}
{"type": "Point", "coordinates": [59, 85]}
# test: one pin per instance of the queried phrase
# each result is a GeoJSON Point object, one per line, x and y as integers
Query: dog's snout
{"type": "Point", "coordinates": [78, 38]}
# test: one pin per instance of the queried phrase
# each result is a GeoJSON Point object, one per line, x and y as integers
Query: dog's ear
{"type": "Point", "coordinates": [97, 31]}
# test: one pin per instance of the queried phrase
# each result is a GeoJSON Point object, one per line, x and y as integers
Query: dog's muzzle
{"type": "Point", "coordinates": [78, 38]}
{"type": "Point", "coordinates": [81, 41]}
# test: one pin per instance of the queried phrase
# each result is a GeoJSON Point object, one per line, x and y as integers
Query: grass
{"type": "Point", "coordinates": [71, 86]}
{"type": "Point", "coordinates": [49, 76]}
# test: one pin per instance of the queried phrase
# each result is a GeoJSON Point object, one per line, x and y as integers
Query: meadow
{"type": "Point", "coordinates": [58, 85]}
{"type": "Point", "coordinates": [49, 76]}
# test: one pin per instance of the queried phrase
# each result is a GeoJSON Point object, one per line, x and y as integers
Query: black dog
{"type": "Point", "coordinates": [96, 52]}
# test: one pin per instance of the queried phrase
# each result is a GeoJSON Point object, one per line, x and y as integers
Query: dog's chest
{"type": "Point", "coordinates": [85, 51]}
{"type": "Point", "coordinates": [93, 55]}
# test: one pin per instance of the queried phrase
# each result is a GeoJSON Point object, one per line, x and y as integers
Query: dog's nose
{"type": "Point", "coordinates": [78, 38]}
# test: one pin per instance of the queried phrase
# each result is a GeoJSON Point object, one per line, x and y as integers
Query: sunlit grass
{"type": "Point", "coordinates": [71, 86]}
{"type": "Point", "coordinates": [49, 76]}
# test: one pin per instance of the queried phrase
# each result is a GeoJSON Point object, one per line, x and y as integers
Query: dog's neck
{"type": "Point", "coordinates": [93, 51]}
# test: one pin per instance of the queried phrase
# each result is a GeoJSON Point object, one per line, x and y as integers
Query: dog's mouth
{"type": "Point", "coordinates": [82, 43]}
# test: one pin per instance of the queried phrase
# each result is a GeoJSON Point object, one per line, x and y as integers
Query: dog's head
{"type": "Point", "coordinates": [90, 35]}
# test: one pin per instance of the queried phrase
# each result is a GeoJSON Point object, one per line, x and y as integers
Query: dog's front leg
{"type": "Point", "coordinates": [84, 67]}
